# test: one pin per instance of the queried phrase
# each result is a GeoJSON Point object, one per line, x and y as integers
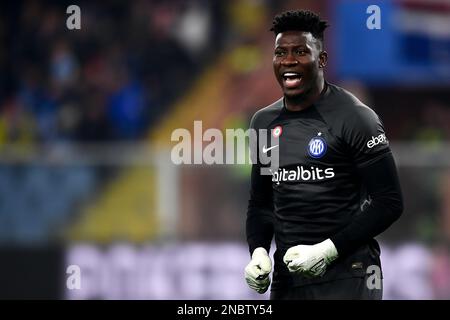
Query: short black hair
{"type": "Point", "coordinates": [301, 20]}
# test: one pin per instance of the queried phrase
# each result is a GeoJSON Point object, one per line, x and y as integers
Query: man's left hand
{"type": "Point", "coordinates": [311, 260]}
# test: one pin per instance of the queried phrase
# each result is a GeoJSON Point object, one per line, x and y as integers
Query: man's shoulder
{"type": "Point", "coordinates": [342, 107]}
{"type": "Point", "coordinates": [344, 100]}
{"type": "Point", "coordinates": [264, 116]}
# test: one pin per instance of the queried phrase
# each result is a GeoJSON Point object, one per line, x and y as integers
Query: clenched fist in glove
{"type": "Point", "coordinates": [311, 260]}
{"type": "Point", "coordinates": [258, 270]}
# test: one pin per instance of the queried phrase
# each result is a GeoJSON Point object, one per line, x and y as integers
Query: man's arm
{"type": "Point", "coordinates": [259, 229]}
{"type": "Point", "coordinates": [364, 136]}
{"type": "Point", "coordinates": [259, 225]}
{"type": "Point", "coordinates": [381, 181]}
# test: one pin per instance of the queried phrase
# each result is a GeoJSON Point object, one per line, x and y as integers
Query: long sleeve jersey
{"type": "Point", "coordinates": [336, 178]}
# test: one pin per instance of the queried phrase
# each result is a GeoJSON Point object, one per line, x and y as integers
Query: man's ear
{"type": "Point", "coordinates": [323, 59]}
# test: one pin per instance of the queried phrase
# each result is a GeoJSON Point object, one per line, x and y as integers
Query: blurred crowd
{"type": "Point", "coordinates": [129, 62]}
{"type": "Point", "coordinates": [111, 79]}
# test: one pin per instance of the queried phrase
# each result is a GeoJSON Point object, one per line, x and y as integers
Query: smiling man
{"type": "Point", "coordinates": [336, 186]}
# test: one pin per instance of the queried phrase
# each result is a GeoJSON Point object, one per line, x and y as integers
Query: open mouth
{"type": "Point", "coordinates": [292, 79]}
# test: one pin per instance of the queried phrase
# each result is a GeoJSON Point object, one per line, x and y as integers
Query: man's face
{"type": "Point", "coordinates": [297, 62]}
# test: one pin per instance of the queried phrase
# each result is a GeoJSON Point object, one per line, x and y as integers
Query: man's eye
{"type": "Point", "coordinates": [279, 53]}
{"type": "Point", "coordinates": [301, 52]}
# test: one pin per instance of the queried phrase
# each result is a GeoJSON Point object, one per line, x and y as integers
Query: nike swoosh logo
{"type": "Point", "coordinates": [264, 150]}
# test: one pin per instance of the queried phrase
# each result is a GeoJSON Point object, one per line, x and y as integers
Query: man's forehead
{"type": "Point", "coordinates": [294, 37]}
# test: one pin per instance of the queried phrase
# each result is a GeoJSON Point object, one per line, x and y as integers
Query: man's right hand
{"type": "Point", "coordinates": [258, 270]}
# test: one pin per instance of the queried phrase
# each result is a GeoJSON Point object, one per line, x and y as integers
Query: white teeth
{"type": "Point", "coordinates": [290, 74]}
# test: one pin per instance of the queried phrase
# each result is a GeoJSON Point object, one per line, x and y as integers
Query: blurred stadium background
{"type": "Point", "coordinates": [86, 118]}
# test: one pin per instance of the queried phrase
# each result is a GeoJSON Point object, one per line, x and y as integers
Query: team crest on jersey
{"type": "Point", "coordinates": [317, 147]}
{"type": "Point", "coordinates": [277, 131]}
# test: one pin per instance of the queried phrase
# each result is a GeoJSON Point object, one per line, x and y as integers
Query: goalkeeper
{"type": "Point", "coordinates": [335, 187]}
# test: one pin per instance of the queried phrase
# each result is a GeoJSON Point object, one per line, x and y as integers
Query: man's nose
{"type": "Point", "coordinates": [289, 60]}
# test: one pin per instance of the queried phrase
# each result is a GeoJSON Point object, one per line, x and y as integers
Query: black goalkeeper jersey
{"type": "Point", "coordinates": [316, 190]}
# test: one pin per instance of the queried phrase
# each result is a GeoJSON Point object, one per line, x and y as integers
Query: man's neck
{"type": "Point", "coordinates": [305, 101]}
